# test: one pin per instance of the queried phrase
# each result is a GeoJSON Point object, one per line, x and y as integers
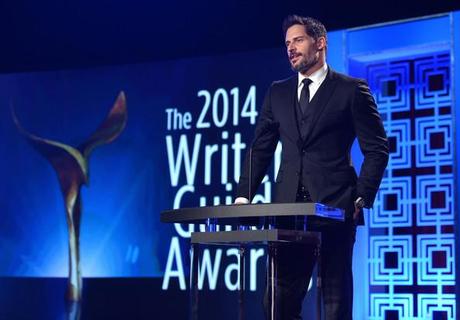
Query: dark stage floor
{"type": "Point", "coordinates": [103, 298]}
{"type": "Point", "coordinates": [124, 298]}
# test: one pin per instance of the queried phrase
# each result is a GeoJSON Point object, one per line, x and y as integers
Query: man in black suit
{"type": "Point", "coordinates": [318, 114]}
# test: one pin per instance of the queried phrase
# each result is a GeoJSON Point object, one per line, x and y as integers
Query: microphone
{"type": "Point", "coordinates": [264, 128]}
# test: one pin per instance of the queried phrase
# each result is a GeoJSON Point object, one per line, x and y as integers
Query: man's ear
{"type": "Point", "coordinates": [321, 43]}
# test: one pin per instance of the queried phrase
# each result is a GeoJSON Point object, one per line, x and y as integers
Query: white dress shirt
{"type": "Point", "coordinates": [317, 79]}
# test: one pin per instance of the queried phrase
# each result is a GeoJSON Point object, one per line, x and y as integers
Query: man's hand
{"type": "Point", "coordinates": [359, 205]}
{"type": "Point", "coordinates": [356, 213]}
{"type": "Point", "coordinates": [241, 200]}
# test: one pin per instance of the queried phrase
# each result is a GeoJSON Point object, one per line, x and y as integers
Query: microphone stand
{"type": "Point", "coordinates": [266, 127]}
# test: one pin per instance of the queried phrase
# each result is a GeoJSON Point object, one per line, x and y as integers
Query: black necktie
{"type": "Point", "coordinates": [305, 96]}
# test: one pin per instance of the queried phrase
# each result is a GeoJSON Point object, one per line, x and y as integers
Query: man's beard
{"type": "Point", "coordinates": [304, 65]}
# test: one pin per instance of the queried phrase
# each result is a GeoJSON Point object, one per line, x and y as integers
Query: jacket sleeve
{"type": "Point", "coordinates": [263, 148]}
{"type": "Point", "coordinates": [373, 143]}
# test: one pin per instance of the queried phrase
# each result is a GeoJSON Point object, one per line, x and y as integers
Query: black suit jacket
{"type": "Point", "coordinates": [318, 154]}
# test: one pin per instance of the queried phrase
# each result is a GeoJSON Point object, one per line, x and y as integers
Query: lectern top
{"type": "Point", "coordinates": [228, 214]}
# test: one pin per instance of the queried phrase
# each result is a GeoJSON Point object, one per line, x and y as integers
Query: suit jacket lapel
{"type": "Point", "coordinates": [291, 113]}
{"type": "Point", "coordinates": [320, 100]}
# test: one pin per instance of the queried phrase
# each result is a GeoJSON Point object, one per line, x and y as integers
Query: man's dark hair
{"type": "Point", "coordinates": [313, 27]}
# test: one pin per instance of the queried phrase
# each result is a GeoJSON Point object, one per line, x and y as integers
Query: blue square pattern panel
{"type": "Point", "coordinates": [435, 199]}
{"type": "Point", "coordinates": [434, 141]}
{"type": "Point", "coordinates": [436, 307]}
{"type": "Point", "coordinates": [398, 132]}
{"type": "Point", "coordinates": [411, 239]}
{"type": "Point", "coordinates": [385, 306]}
{"type": "Point", "coordinates": [393, 204]}
{"type": "Point", "coordinates": [435, 259]}
{"type": "Point", "coordinates": [391, 260]}
{"type": "Point", "coordinates": [432, 81]}
{"type": "Point", "coordinates": [390, 83]}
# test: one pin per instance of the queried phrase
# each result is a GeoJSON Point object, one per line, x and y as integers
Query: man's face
{"type": "Point", "coordinates": [303, 51]}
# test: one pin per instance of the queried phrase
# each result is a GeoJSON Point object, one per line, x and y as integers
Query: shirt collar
{"type": "Point", "coordinates": [316, 77]}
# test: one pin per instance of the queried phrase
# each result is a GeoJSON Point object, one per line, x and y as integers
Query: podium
{"type": "Point", "coordinates": [254, 224]}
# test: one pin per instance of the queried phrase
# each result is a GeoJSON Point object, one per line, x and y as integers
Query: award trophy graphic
{"type": "Point", "coordinates": [71, 166]}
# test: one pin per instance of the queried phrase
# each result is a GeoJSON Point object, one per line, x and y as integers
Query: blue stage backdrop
{"type": "Point", "coordinates": [189, 125]}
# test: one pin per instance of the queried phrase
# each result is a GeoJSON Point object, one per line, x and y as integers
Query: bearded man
{"type": "Point", "coordinates": [318, 113]}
